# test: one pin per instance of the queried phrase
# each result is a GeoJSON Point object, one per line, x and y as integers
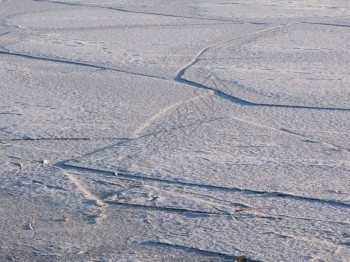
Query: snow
{"type": "Point", "coordinates": [174, 130]}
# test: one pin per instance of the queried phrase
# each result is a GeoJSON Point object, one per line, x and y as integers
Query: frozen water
{"type": "Point", "coordinates": [174, 130]}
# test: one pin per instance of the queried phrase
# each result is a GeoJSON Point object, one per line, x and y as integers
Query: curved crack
{"type": "Point", "coordinates": [78, 64]}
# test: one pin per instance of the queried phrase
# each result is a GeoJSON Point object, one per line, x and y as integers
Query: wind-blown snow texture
{"type": "Point", "coordinates": [174, 130]}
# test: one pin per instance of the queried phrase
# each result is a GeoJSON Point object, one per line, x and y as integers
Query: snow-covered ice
{"type": "Point", "coordinates": [174, 130]}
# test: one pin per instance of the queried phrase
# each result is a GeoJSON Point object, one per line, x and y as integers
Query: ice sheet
{"type": "Point", "coordinates": [174, 130]}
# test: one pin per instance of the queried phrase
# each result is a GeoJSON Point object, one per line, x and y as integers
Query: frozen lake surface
{"type": "Point", "coordinates": [155, 130]}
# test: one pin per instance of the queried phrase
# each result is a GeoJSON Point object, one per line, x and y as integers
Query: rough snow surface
{"type": "Point", "coordinates": [174, 130]}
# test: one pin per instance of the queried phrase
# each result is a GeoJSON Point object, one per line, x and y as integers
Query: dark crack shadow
{"type": "Point", "coordinates": [196, 250]}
